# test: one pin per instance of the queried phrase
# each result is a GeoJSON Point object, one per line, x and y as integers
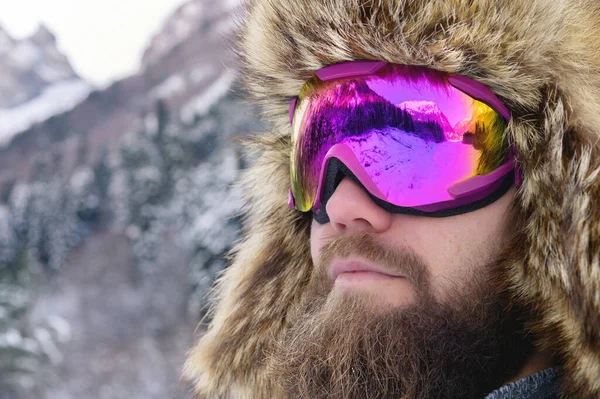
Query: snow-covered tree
{"type": "Point", "coordinates": [21, 355]}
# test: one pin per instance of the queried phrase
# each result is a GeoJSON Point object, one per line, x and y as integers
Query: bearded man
{"type": "Point", "coordinates": [423, 216]}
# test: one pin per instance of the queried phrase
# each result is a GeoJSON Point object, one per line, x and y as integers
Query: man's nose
{"type": "Point", "coordinates": [350, 209]}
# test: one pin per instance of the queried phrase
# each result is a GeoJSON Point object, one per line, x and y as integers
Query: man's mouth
{"type": "Point", "coordinates": [354, 271]}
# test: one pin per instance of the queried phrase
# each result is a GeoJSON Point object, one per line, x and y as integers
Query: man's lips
{"type": "Point", "coordinates": [353, 269]}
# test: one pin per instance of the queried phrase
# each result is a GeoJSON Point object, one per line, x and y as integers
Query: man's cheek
{"type": "Point", "coordinates": [316, 240]}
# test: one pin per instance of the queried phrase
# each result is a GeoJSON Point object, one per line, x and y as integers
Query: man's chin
{"type": "Point", "coordinates": [347, 342]}
{"type": "Point", "coordinates": [379, 293]}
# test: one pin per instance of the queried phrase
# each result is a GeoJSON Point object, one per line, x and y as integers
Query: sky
{"type": "Point", "coordinates": [103, 39]}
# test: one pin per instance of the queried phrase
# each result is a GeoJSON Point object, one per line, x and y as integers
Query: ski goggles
{"type": "Point", "coordinates": [420, 141]}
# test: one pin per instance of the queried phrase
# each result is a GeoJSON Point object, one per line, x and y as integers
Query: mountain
{"type": "Point", "coordinates": [6, 41]}
{"type": "Point", "coordinates": [126, 200]}
{"type": "Point", "coordinates": [426, 111]}
{"type": "Point", "coordinates": [37, 82]}
{"type": "Point", "coordinates": [29, 66]}
{"type": "Point", "coordinates": [184, 66]}
{"type": "Point", "coordinates": [464, 126]}
{"type": "Point", "coordinates": [185, 62]}
{"type": "Point", "coordinates": [355, 93]}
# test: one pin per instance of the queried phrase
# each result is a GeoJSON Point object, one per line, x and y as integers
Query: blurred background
{"type": "Point", "coordinates": [116, 206]}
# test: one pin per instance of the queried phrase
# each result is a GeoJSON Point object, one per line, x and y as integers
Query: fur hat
{"type": "Point", "coordinates": [541, 57]}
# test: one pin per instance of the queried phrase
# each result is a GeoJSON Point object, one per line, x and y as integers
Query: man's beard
{"type": "Point", "coordinates": [345, 344]}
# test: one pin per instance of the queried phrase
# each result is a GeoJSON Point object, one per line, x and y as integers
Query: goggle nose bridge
{"type": "Point", "coordinates": [336, 171]}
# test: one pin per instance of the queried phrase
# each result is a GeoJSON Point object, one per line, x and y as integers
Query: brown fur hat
{"type": "Point", "coordinates": [541, 57]}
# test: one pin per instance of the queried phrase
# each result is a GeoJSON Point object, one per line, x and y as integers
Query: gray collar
{"type": "Point", "coordinates": [541, 385]}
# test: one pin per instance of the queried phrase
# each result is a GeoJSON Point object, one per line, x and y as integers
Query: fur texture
{"type": "Point", "coordinates": [541, 57]}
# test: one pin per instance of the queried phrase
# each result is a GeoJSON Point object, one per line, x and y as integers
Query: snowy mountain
{"type": "Point", "coordinates": [55, 99]}
{"type": "Point", "coordinates": [185, 60]}
{"type": "Point", "coordinates": [29, 66]}
{"type": "Point", "coordinates": [425, 111]}
{"type": "Point", "coordinates": [185, 66]}
{"type": "Point", "coordinates": [127, 198]}
{"type": "Point", "coordinates": [6, 41]}
{"type": "Point", "coordinates": [466, 125]}
{"type": "Point", "coordinates": [38, 82]}
{"type": "Point", "coordinates": [209, 16]}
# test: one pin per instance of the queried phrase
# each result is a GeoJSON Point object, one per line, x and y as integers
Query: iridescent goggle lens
{"type": "Point", "coordinates": [413, 137]}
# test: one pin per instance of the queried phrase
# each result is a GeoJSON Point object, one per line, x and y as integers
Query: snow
{"type": "Point", "coordinates": [396, 159]}
{"type": "Point", "coordinates": [423, 111]}
{"type": "Point", "coordinates": [186, 21]}
{"type": "Point", "coordinates": [82, 178]}
{"type": "Point", "coordinates": [56, 99]}
{"type": "Point", "coordinates": [12, 337]}
{"type": "Point", "coordinates": [202, 103]}
{"type": "Point", "coordinates": [61, 328]}
{"type": "Point", "coordinates": [5, 228]}
{"type": "Point", "coordinates": [6, 42]}
{"type": "Point", "coordinates": [421, 106]}
{"type": "Point", "coordinates": [48, 345]}
{"type": "Point", "coordinates": [50, 74]}
{"type": "Point", "coordinates": [43, 36]}
{"type": "Point", "coordinates": [224, 26]}
{"type": "Point", "coordinates": [25, 54]}
{"type": "Point", "coordinates": [171, 86]}
{"type": "Point", "coordinates": [182, 30]}
{"type": "Point", "coordinates": [159, 47]}
{"type": "Point", "coordinates": [150, 123]}
{"type": "Point", "coordinates": [8, 239]}
{"type": "Point", "coordinates": [192, 9]}
{"type": "Point", "coordinates": [172, 34]}
{"type": "Point", "coordinates": [207, 194]}
{"type": "Point", "coordinates": [231, 4]}
{"type": "Point", "coordinates": [149, 174]}
{"type": "Point", "coordinates": [201, 73]}
{"type": "Point", "coordinates": [463, 126]}
{"type": "Point", "coordinates": [133, 232]}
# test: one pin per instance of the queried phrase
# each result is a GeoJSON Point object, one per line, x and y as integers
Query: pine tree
{"type": "Point", "coordinates": [21, 356]}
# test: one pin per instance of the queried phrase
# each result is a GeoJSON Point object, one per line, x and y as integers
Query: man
{"type": "Point", "coordinates": [423, 219]}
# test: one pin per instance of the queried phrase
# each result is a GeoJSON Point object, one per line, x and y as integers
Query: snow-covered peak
{"type": "Point", "coordinates": [3, 31]}
{"type": "Point", "coordinates": [37, 82]}
{"type": "Point", "coordinates": [6, 41]}
{"type": "Point", "coordinates": [29, 66]}
{"type": "Point", "coordinates": [424, 111]}
{"type": "Point", "coordinates": [176, 29]}
{"type": "Point", "coordinates": [205, 20]}
{"type": "Point", "coordinates": [40, 46]}
{"type": "Point", "coordinates": [25, 55]}
{"type": "Point", "coordinates": [466, 125]}
{"type": "Point", "coordinates": [422, 107]}
{"type": "Point", "coordinates": [43, 36]}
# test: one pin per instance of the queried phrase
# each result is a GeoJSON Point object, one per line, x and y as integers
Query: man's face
{"type": "Point", "coordinates": [445, 253]}
{"type": "Point", "coordinates": [403, 306]}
